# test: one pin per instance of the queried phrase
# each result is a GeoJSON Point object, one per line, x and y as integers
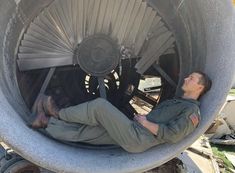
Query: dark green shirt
{"type": "Point", "coordinates": [176, 118]}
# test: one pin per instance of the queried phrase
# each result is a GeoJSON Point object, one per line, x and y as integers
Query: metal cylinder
{"type": "Point", "coordinates": [204, 33]}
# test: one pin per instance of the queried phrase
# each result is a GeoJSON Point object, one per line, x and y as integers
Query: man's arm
{"type": "Point", "coordinates": [152, 127]}
{"type": "Point", "coordinates": [174, 130]}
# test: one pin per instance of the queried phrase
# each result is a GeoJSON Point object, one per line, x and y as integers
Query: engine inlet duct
{"type": "Point", "coordinates": [39, 38]}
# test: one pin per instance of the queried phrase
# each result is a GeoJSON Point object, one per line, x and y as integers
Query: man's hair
{"type": "Point", "coordinates": [205, 81]}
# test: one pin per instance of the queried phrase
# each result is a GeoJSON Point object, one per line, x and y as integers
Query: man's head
{"type": "Point", "coordinates": [197, 83]}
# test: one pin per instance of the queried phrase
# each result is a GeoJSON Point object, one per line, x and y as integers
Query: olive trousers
{"type": "Point", "coordinates": [99, 122]}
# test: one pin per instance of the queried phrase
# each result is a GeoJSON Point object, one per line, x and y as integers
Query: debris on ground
{"type": "Point", "coordinates": [224, 140]}
{"type": "Point", "coordinates": [222, 130]}
{"type": "Point", "coordinates": [221, 135]}
{"type": "Point", "coordinates": [173, 166]}
{"type": "Point", "coordinates": [231, 157]}
{"type": "Point", "coordinates": [224, 163]}
{"type": "Point", "coordinates": [218, 129]}
{"type": "Point", "coordinates": [198, 158]}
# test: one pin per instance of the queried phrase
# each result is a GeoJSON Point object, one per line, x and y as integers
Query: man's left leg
{"type": "Point", "coordinates": [128, 134]}
{"type": "Point", "coordinates": [74, 132]}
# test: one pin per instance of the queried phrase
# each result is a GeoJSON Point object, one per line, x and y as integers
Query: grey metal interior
{"type": "Point", "coordinates": [204, 34]}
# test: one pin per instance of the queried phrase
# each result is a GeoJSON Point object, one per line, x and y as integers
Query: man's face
{"type": "Point", "coordinates": [191, 83]}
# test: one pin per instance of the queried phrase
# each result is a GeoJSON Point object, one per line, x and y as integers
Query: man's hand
{"type": "Point", "coordinates": [152, 127]}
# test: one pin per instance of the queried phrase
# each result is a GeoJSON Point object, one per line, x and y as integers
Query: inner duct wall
{"type": "Point", "coordinates": [204, 34]}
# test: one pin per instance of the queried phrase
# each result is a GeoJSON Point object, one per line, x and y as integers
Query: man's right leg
{"type": "Point", "coordinates": [61, 130]}
{"type": "Point", "coordinates": [99, 112]}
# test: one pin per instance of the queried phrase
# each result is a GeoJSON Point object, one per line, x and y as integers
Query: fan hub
{"type": "Point", "coordinates": [98, 55]}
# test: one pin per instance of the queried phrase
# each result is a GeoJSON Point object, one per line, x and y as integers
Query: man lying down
{"type": "Point", "coordinates": [99, 122]}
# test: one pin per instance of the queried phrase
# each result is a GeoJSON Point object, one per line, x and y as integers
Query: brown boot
{"type": "Point", "coordinates": [50, 107]}
{"type": "Point", "coordinates": [41, 120]}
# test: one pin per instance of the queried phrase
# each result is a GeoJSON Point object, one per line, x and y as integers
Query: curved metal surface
{"type": "Point", "coordinates": [205, 40]}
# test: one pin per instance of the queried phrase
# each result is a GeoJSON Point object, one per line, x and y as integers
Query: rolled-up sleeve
{"type": "Point", "coordinates": [178, 128]}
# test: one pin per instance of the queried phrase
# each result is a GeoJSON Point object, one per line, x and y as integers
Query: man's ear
{"type": "Point", "coordinates": [201, 88]}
